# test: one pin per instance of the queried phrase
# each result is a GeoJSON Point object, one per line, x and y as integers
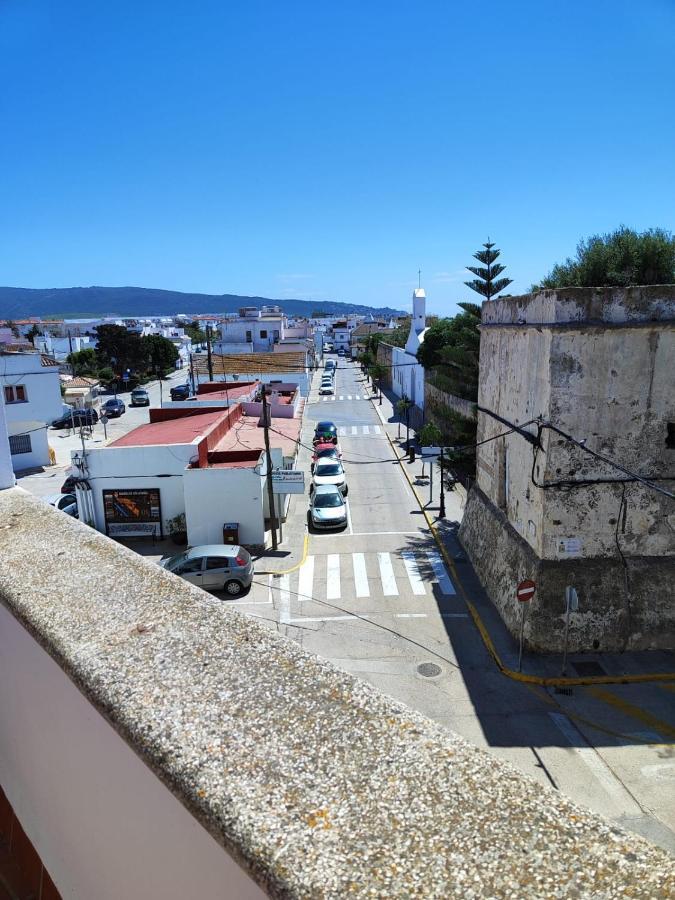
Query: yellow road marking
{"type": "Point", "coordinates": [636, 712]}
{"type": "Point", "coordinates": [480, 625]}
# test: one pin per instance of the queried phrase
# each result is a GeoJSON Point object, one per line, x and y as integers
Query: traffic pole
{"type": "Point", "coordinates": [441, 509]}
{"type": "Point", "coordinates": [522, 635]}
{"type": "Point", "coordinates": [270, 487]}
{"type": "Point", "coordinates": [209, 360]}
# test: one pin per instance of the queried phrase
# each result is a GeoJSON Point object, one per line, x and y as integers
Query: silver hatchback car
{"type": "Point", "coordinates": [214, 567]}
{"type": "Point", "coordinates": [327, 508]}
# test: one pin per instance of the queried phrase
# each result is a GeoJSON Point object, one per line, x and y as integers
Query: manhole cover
{"type": "Point", "coordinates": [588, 668]}
{"type": "Point", "coordinates": [429, 670]}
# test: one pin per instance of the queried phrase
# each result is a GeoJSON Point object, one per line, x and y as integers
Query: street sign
{"type": "Point", "coordinates": [571, 599]}
{"type": "Point", "coordinates": [103, 420]}
{"type": "Point", "coordinates": [288, 481]}
{"type": "Point", "coordinates": [431, 452]}
{"type": "Point", "coordinates": [525, 590]}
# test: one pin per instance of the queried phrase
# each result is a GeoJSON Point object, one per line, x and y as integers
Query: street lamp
{"type": "Point", "coordinates": [441, 508]}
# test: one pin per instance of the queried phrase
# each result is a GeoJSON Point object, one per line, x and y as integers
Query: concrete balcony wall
{"type": "Point", "coordinates": [150, 737]}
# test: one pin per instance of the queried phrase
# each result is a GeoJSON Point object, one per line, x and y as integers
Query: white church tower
{"type": "Point", "coordinates": [418, 323]}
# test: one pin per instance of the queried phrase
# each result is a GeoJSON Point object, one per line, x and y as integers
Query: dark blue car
{"type": "Point", "coordinates": [113, 408]}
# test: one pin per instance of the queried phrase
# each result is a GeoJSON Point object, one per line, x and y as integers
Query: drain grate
{"type": "Point", "coordinates": [429, 670]}
{"type": "Point", "coordinates": [566, 691]}
{"type": "Point", "coordinates": [588, 668]}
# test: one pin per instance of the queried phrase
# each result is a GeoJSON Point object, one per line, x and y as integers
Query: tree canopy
{"type": "Point", "coordinates": [159, 351]}
{"type": "Point", "coordinates": [120, 348]}
{"type": "Point", "coordinates": [451, 348]}
{"type": "Point", "coordinates": [487, 281]}
{"type": "Point", "coordinates": [619, 258]}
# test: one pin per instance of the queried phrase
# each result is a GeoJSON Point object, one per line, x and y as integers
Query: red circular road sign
{"type": "Point", "coordinates": [525, 590]}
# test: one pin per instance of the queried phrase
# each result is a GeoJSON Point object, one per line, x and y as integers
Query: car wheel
{"type": "Point", "coordinates": [233, 588]}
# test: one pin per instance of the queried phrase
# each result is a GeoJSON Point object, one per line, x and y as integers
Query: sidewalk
{"type": "Point", "coordinates": [546, 669]}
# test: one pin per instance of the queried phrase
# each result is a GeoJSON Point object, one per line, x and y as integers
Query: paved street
{"type": "Point", "coordinates": [377, 600]}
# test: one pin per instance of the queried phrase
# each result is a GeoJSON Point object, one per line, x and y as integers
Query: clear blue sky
{"type": "Point", "coordinates": [326, 150]}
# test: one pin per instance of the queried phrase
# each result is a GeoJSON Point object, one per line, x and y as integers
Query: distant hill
{"type": "Point", "coordinates": [22, 303]}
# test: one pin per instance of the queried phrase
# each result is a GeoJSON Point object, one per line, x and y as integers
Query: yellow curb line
{"type": "Point", "coordinates": [296, 566]}
{"type": "Point", "coordinates": [482, 629]}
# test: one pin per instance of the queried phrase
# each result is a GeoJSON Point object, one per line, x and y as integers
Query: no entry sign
{"type": "Point", "coordinates": [525, 590]}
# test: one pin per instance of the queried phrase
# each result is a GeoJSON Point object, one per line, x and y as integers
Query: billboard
{"type": "Point", "coordinates": [130, 513]}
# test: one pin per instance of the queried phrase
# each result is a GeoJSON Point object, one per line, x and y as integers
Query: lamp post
{"type": "Point", "coordinates": [441, 508]}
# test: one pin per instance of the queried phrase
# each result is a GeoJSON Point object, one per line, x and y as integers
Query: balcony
{"type": "Point", "coordinates": [155, 743]}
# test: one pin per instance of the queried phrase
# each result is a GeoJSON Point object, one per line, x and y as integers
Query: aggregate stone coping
{"type": "Point", "coordinates": [319, 785]}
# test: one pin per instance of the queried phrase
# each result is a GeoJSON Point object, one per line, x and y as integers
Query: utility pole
{"type": "Point", "coordinates": [270, 488]}
{"type": "Point", "coordinates": [441, 508]}
{"type": "Point", "coordinates": [192, 375]}
{"type": "Point", "coordinates": [209, 360]}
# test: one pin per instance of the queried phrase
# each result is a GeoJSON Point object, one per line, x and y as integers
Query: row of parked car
{"type": "Point", "coordinates": [111, 409]}
{"type": "Point", "coordinates": [328, 489]}
{"type": "Point", "coordinates": [328, 378]}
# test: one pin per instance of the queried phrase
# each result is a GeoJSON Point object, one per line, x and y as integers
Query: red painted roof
{"type": "Point", "coordinates": [232, 393]}
{"type": "Point", "coordinates": [246, 434]}
{"type": "Point", "coordinates": [173, 431]}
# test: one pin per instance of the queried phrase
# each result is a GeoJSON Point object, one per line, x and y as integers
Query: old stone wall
{"type": "Point", "coordinates": [597, 364]}
{"type": "Point", "coordinates": [434, 396]}
{"type": "Point", "coordinates": [629, 607]}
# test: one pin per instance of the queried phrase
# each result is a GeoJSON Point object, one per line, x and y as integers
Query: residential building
{"type": "Point", "coordinates": [253, 330]}
{"type": "Point", "coordinates": [206, 464]}
{"type": "Point", "coordinates": [82, 391]}
{"type": "Point", "coordinates": [571, 380]}
{"type": "Point", "coordinates": [60, 347]}
{"type": "Point", "coordinates": [32, 397]}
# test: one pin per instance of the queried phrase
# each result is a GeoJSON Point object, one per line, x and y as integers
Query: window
{"type": "Point", "coordinates": [249, 337]}
{"type": "Point", "coordinates": [19, 443]}
{"type": "Point", "coordinates": [189, 567]}
{"type": "Point", "coordinates": [15, 393]}
{"type": "Point", "coordinates": [217, 562]}
{"type": "Point", "coordinates": [263, 333]}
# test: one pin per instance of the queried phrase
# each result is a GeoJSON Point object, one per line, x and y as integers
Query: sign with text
{"type": "Point", "coordinates": [431, 452]}
{"type": "Point", "coordinates": [569, 547]}
{"type": "Point", "coordinates": [288, 481]}
{"type": "Point", "coordinates": [132, 512]}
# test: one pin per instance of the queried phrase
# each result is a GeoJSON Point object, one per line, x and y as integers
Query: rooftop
{"type": "Point", "coordinates": [252, 363]}
{"type": "Point", "coordinates": [248, 434]}
{"type": "Point", "coordinates": [316, 783]}
{"type": "Point", "coordinates": [183, 430]}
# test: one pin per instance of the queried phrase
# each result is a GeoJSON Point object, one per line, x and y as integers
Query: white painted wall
{"type": "Point", "coordinates": [215, 496]}
{"type": "Point", "coordinates": [119, 468]}
{"type": "Point", "coordinates": [39, 442]}
{"type": "Point", "coordinates": [42, 387]}
{"type": "Point", "coordinates": [103, 824]}
{"type": "Point", "coordinates": [406, 378]}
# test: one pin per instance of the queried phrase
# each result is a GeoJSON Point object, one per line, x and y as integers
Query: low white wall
{"type": "Point", "coordinates": [103, 824]}
{"type": "Point", "coordinates": [215, 496]}
{"type": "Point", "coordinates": [39, 454]}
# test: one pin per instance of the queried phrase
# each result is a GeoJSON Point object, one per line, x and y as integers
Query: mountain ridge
{"type": "Point", "coordinates": [95, 300]}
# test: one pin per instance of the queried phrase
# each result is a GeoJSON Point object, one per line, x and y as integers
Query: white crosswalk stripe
{"type": "Point", "coordinates": [306, 579]}
{"type": "Point", "coordinates": [389, 587]}
{"type": "Point", "coordinates": [413, 573]}
{"type": "Point", "coordinates": [446, 586]}
{"type": "Point", "coordinates": [358, 397]}
{"type": "Point", "coordinates": [377, 429]}
{"type": "Point", "coordinates": [355, 429]}
{"type": "Point", "coordinates": [333, 577]}
{"type": "Point", "coordinates": [349, 396]}
{"type": "Point", "coordinates": [360, 575]}
{"type": "Point", "coordinates": [342, 431]}
{"type": "Point", "coordinates": [342, 397]}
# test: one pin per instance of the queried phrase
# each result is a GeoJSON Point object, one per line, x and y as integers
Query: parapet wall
{"type": "Point", "coordinates": [314, 782]}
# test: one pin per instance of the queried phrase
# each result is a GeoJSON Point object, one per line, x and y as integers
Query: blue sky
{"type": "Point", "coordinates": [326, 151]}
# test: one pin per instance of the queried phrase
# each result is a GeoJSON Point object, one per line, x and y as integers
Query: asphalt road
{"type": "Point", "coordinates": [377, 600]}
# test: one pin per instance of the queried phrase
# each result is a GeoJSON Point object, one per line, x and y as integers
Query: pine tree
{"type": "Point", "coordinates": [487, 283]}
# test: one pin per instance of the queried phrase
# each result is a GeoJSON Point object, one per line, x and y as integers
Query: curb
{"type": "Point", "coordinates": [305, 548]}
{"type": "Point", "coordinates": [482, 628]}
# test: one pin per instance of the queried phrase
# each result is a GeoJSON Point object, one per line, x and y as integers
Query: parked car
{"type": "Point", "coordinates": [327, 508]}
{"type": "Point", "coordinates": [326, 449]}
{"type": "Point", "coordinates": [113, 408]}
{"type": "Point", "coordinates": [67, 503]}
{"type": "Point", "coordinates": [341, 352]}
{"type": "Point", "coordinates": [329, 365]}
{"type": "Point", "coordinates": [329, 471]}
{"type": "Point", "coordinates": [76, 417]}
{"type": "Point", "coordinates": [326, 388]}
{"type": "Point", "coordinates": [140, 397]}
{"type": "Point", "coordinates": [325, 430]}
{"type": "Point", "coordinates": [214, 567]}
{"type": "Point", "coordinates": [180, 392]}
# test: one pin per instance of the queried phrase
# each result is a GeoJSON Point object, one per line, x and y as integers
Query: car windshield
{"type": "Point", "coordinates": [329, 469]}
{"type": "Point", "coordinates": [327, 451]}
{"type": "Point", "coordinates": [176, 561]}
{"type": "Point", "coordinates": [323, 501]}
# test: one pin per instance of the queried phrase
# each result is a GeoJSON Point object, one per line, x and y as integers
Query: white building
{"type": "Point", "coordinates": [252, 331]}
{"type": "Point", "coordinates": [31, 394]}
{"type": "Point", "coordinates": [62, 347]}
{"type": "Point", "coordinates": [407, 376]}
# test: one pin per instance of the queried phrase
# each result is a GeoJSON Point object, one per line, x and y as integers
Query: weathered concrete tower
{"type": "Point", "coordinates": [596, 363]}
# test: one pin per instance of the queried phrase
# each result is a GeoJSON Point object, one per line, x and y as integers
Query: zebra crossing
{"type": "Point", "coordinates": [342, 397]}
{"type": "Point", "coordinates": [337, 576]}
{"type": "Point", "coordinates": [356, 430]}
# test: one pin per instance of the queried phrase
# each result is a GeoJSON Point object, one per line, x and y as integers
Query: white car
{"type": "Point", "coordinates": [330, 471]}
{"type": "Point", "coordinates": [328, 508]}
{"type": "Point", "coordinates": [326, 388]}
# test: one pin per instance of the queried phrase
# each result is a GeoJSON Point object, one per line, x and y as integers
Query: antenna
{"type": "Point", "coordinates": [419, 278]}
